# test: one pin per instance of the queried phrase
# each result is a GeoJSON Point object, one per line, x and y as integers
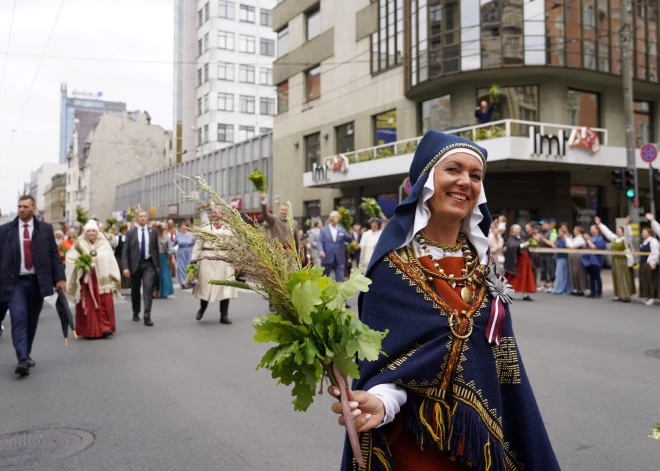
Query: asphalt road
{"type": "Point", "coordinates": [184, 395]}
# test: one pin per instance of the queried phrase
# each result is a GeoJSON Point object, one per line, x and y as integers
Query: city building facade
{"type": "Point", "coordinates": [107, 151]}
{"type": "Point", "coordinates": [233, 83]}
{"type": "Point", "coordinates": [55, 200]}
{"type": "Point", "coordinates": [39, 180]}
{"type": "Point", "coordinates": [351, 111]}
{"type": "Point", "coordinates": [185, 76]}
{"type": "Point", "coordinates": [80, 100]}
{"type": "Point", "coordinates": [226, 170]}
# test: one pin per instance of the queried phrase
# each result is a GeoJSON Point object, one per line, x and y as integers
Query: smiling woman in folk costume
{"type": "Point", "coordinates": [213, 270]}
{"type": "Point", "coordinates": [93, 290]}
{"type": "Point", "coordinates": [622, 271]}
{"type": "Point", "coordinates": [452, 392]}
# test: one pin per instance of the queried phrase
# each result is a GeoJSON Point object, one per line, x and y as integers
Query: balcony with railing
{"type": "Point", "coordinates": [505, 139]}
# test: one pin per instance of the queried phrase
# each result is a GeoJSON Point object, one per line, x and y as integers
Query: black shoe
{"type": "Point", "coordinates": [348, 306]}
{"type": "Point", "coordinates": [106, 334]}
{"type": "Point", "coordinates": [626, 300]}
{"type": "Point", "coordinates": [591, 296]}
{"type": "Point", "coordinates": [30, 362]}
{"type": "Point", "coordinates": [527, 298]}
{"type": "Point", "coordinates": [136, 318]}
{"type": "Point", "coordinates": [148, 323]}
{"type": "Point", "coordinates": [224, 319]}
{"type": "Point", "coordinates": [22, 369]}
{"type": "Point", "coordinates": [199, 315]}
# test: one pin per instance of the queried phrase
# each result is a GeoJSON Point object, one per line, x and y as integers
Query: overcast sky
{"type": "Point", "coordinates": [116, 31]}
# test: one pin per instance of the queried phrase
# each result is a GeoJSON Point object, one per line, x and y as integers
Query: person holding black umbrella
{"type": "Point", "coordinates": [29, 268]}
{"type": "Point", "coordinates": [93, 279]}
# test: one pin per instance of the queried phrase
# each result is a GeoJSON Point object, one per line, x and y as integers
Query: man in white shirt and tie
{"type": "Point", "coordinates": [141, 261]}
{"type": "Point", "coordinates": [29, 268]}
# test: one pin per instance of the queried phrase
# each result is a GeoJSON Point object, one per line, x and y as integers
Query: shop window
{"type": "Point", "coordinates": [643, 115]}
{"type": "Point", "coordinates": [436, 113]}
{"type": "Point", "coordinates": [312, 150]}
{"type": "Point", "coordinates": [385, 128]}
{"type": "Point", "coordinates": [283, 97]}
{"type": "Point", "coordinates": [583, 108]}
{"type": "Point", "coordinates": [345, 138]}
{"type": "Point", "coordinates": [313, 83]}
{"type": "Point", "coordinates": [312, 209]}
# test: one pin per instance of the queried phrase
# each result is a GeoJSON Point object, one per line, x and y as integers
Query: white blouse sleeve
{"type": "Point", "coordinates": [655, 225]}
{"type": "Point", "coordinates": [655, 248]}
{"type": "Point", "coordinates": [393, 398]}
{"type": "Point", "coordinates": [609, 235]}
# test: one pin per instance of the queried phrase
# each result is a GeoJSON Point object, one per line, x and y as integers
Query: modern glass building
{"type": "Point", "coordinates": [81, 101]}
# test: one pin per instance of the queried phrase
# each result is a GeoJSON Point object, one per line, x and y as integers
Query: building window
{"type": "Point", "coordinates": [345, 138]}
{"type": "Point", "coordinates": [226, 40]}
{"type": "Point", "coordinates": [226, 9]}
{"type": "Point", "coordinates": [387, 43]}
{"type": "Point", "coordinates": [583, 108]}
{"type": "Point", "coordinates": [206, 12]}
{"type": "Point", "coordinates": [226, 101]}
{"type": "Point", "coordinates": [226, 71]}
{"type": "Point", "coordinates": [206, 42]}
{"type": "Point", "coordinates": [245, 133]}
{"type": "Point", "coordinates": [246, 73]}
{"type": "Point", "coordinates": [283, 97]}
{"type": "Point", "coordinates": [313, 20]}
{"type": "Point", "coordinates": [206, 103]}
{"type": "Point", "coordinates": [199, 48]}
{"type": "Point", "coordinates": [312, 151]}
{"type": "Point", "coordinates": [199, 77]}
{"type": "Point", "coordinates": [267, 47]}
{"type": "Point", "coordinates": [265, 76]}
{"type": "Point", "coordinates": [266, 17]}
{"type": "Point", "coordinates": [200, 18]}
{"type": "Point", "coordinates": [643, 113]}
{"type": "Point", "coordinates": [206, 133]}
{"type": "Point", "coordinates": [265, 130]}
{"type": "Point", "coordinates": [385, 128]}
{"type": "Point", "coordinates": [199, 106]}
{"type": "Point", "coordinates": [206, 73]}
{"type": "Point", "coordinates": [199, 136]}
{"type": "Point", "coordinates": [225, 133]}
{"type": "Point", "coordinates": [246, 104]}
{"type": "Point", "coordinates": [246, 14]}
{"type": "Point", "coordinates": [283, 42]}
{"type": "Point", "coordinates": [246, 43]}
{"type": "Point", "coordinates": [267, 106]}
{"type": "Point", "coordinates": [436, 114]}
{"type": "Point", "coordinates": [313, 83]}
{"type": "Point", "coordinates": [514, 103]}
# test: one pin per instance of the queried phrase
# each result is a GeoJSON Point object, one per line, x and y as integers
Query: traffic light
{"type": "Point", "coordinates": [656, 181]}
{"type": "Point", "coordinates": [617, 178]}
{"type": "Point", "coordinates": [629, 183]}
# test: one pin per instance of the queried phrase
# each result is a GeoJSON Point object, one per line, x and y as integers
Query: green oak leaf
{"type": "Point", "coordinates": [305, 297]}
{"type": "Point", "coordinates": [367, 345]}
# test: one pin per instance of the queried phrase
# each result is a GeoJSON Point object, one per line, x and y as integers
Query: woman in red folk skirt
{"type": "Point", "coordinates": [93, 279]}
{"type": "Point", "coordinates": [518, 264]}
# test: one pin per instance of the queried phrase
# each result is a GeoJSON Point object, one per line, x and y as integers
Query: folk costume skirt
{"type": "Point", "coordinates": [648, 282]}
{"type": "Point", "coordinates": [562, 278]}
{"type": "Point", "coordinates": [165, 284]}
{"type": "Point", "coordinates": [578, 275]}
{"type": "Point", "coordinates": [523, 281]}
{"type": "Point", "coordinates": [92, 319]}
{"type": "Point", "coordinates": [624, 287]}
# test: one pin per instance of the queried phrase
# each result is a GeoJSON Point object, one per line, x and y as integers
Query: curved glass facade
{"type": "Point", "coordinates": [452, 36]}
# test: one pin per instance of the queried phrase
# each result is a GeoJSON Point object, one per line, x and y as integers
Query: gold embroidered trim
{"type": "Point", "coordinates": [506, 361]}
{"type": "Point", "coordinates": [393, 365]}
{"type": "Point", "coordinates": [439, 155]}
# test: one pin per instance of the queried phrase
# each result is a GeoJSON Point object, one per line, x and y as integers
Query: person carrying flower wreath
{"type": "Point", "coordinates": [93, 280]}
{"type": "Point", "coordinates": [451, 393]}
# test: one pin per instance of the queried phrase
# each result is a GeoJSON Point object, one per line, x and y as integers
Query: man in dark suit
{"type": "Point", "coordinates": [331, 247]}
{"type": "Point", "coordinates": [141, 261]}
{"type": "Point", "coordinates": [29, 268]}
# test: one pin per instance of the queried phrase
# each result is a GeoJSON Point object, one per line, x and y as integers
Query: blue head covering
{"type": "Point", "coordinates": [433, 147]}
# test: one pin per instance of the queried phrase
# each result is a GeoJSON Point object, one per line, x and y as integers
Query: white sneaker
{"type": "Point", "coordinates": [650, 302]}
